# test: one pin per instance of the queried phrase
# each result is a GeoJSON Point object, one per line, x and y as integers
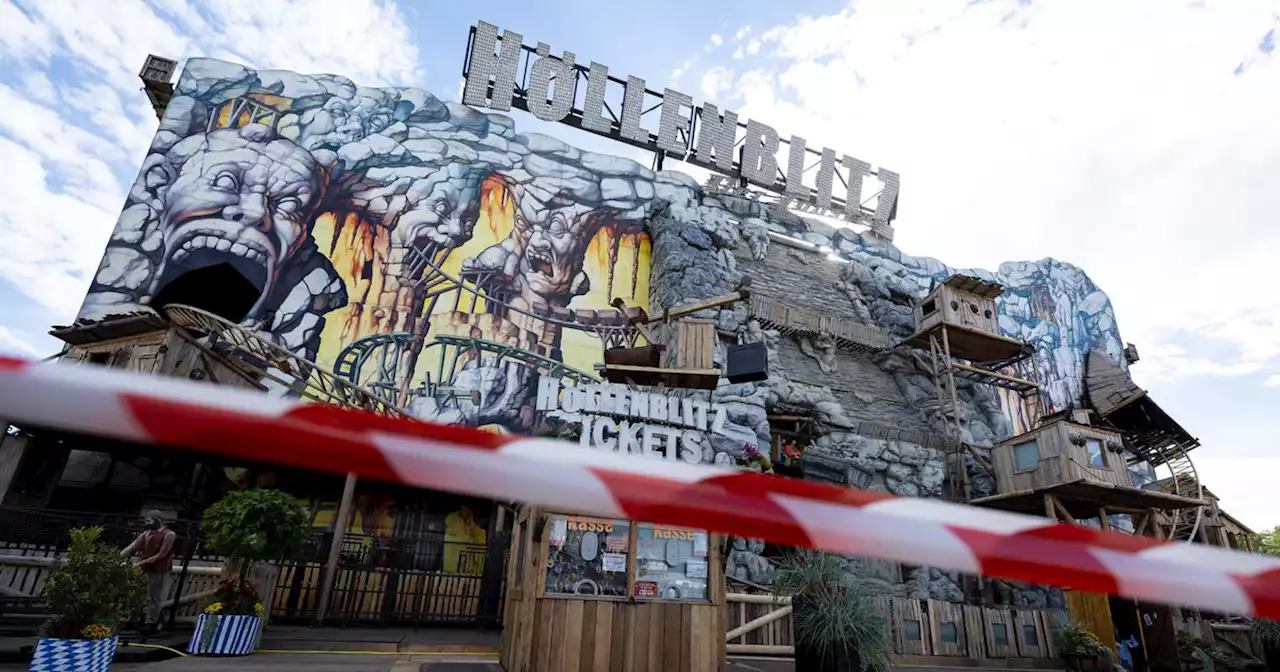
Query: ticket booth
{"type": "Point", "coordinates": [599, 594]}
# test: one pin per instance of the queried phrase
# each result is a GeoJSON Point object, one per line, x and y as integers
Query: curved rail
{"type": "Point", "coordinates": [1184, 481]}
{"type": "Point", "coordinates": [261, 358]}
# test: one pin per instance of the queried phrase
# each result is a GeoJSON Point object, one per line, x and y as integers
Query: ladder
{"type": "Point", "coordinates": [944, 385]}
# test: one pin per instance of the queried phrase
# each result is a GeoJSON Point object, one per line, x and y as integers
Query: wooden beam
{"type": "Point", "coordinates": [979, 459]}
{"type": "Point", "coordinates": [1140, 521]}
{"type": "Point", "coordinates": [761, 649]}
{"type": "Point", "coordinates": [1049, 511]}
{"type": "Point", "coordinates": [748, 598]}
{"type": "Point", "coordinates": [757, 623]}
{"type": "Point", "coordinates": [1102, 519]}
{"type": "Point", "coordinates": [1062, 510]}
{"type": "Point", "coordinates": [702, 305]}
{"type": "Point", "coordinates": [993, 374]}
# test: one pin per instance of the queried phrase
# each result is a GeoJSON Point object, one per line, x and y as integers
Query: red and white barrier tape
{"type": "Point", "coordinates": [239, 424]}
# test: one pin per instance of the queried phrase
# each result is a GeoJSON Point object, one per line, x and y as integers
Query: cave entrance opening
{"type": "Point", "coordinates": [219, 289]}
{"type": "Point", "coordinates": [790, 435]}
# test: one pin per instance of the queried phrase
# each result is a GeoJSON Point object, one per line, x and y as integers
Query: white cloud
{"type": "Point", "coordinates": [1272, 381]}
{"type": "Point", "coordinates": [714, 82]}
{"type": "Point", "coordinates": [1116, 137]}
{"type": "Point", "coordinates": [716, 41]}
{"type": "Point", "coordinates": [71, 142]}
{"type": "Point", "coordinates": [1246, 486]}
{"type": "Point", "coordinates": [12, 342]}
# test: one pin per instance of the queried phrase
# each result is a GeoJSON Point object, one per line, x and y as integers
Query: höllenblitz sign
{"type": "Point", "coordinates": [631, 421]}
{"type": "Point", "coordinates": [701, 135]}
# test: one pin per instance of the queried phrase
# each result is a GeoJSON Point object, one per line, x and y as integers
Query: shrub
{"type": "Point", "coordinates": [830, 610]}
{"type": "Point", "coordinates": [256, 525]}
{"type": "Point", "coordinates": [93, 591]}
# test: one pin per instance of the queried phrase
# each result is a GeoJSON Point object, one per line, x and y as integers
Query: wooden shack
{"type": "Point", "coordinates": [1069, 470]}
{"type": "Point", "coordinates": [602, 594]}
{"type": "Point", "coordinates": [964, 309]}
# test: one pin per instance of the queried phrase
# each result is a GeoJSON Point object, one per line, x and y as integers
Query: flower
{"type": "Point", "coordinates": [258, 609]}
{"type": "Point", "coordinates": [96, 631]}
{"type": "Point", "coordinates": [213, 608]}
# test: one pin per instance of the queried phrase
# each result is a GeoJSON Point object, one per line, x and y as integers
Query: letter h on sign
{"type": "Point", "coordinates": [486, 64]}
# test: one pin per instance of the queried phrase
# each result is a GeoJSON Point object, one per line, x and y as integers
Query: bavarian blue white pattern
{"type": "Point", "coordinates": [74, 655]}
{"type": "Point", "coordinates": [231, 635]}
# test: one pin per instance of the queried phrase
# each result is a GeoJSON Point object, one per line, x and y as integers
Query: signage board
{"type": "Point", "coordinates": [547, 86]}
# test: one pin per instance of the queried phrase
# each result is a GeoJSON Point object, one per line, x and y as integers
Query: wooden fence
{"type": "Point", "coordinates": [761, 624]}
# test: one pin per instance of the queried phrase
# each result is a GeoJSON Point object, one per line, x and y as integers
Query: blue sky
{"type": "Point", "coordinates": [1136, 140]}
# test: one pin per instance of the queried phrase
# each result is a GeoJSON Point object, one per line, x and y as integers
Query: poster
{"type": "Point", "coordinates": [615, 562]}
{"type": "Point", "coordinates": [616, 543]}
{"type": "Point", "coordinates": [695, 569]}
{"type": "Point", "coordinates": [559, 531]}
{"type": "Point", "coordinates": [646, 588]}
{"type": "Point", "coordinates": [700, 544]}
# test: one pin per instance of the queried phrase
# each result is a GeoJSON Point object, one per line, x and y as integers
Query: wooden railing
{"type": "Point", "coordinates": [761, 624]}
{"type": "Point", "coordinates": [789, 320]}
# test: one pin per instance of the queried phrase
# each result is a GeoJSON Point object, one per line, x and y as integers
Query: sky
{"type": "Point", "coordinates": [1136, 140]}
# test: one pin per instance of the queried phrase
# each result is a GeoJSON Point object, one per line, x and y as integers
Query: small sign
{"type": "Point", "coordinates": [700, 544]}
{"type": "Point", "coordinates": [646, 588]}
{"type": "Point", "coordinates": [615, 562]}
{"type": "Point", "coordinates": [695, 569]}
{"type": "Point", "coordinates": [559, 531]}
{"type": "Point", "coordinates": [617, 543]}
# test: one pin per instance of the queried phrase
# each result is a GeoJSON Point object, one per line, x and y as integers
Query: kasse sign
{"type": "Point", "coordinates": [701, 135]}
{"type": "Point", "coordinates": [616, 418]}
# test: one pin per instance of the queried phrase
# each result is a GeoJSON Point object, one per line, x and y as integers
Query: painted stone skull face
{"type": "Point", "coordinates": [553, 243]}
{"type": "Point", "coordinates": [447, 211]}
{"type": "Point", "coordinates": [240, 196]}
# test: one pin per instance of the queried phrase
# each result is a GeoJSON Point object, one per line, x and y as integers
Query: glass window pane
{"type": "Point", "coordinates": [1094, 447]}
{"type": "Point", "coordinates": [587, 556]}
{"type": "Point", "coordinates": [948, 633]}
{"type": "Point", "coordinates": [1000, 633]}
{"type": "Point", "coordinates": [910, 630]}
{"type": "Point", "coordinates": [671, 562]}
{"type": "Point", "coordinates": [1029, 635]}
{"type": "Point", "coordinates": [1026, 456]}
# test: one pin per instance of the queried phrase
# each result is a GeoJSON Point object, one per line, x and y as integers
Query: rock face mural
{"type": "Point", "coordinates": [434, 253]}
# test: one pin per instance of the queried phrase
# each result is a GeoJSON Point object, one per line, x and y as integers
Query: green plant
{"type": "Point", "coordinates": [1266, 633]}
{"type": "Point", "coordinates": [1080, 643]}
{"type": "Point", "coordinates": [256, 525]}
{"type": "Point", "coordinates": [93, 590]}
{"type": "Point", "coordinates": [830, 610]}
{"type": "Point", "coordinates": [1267, 542]}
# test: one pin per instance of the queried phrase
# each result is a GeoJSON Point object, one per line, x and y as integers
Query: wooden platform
{"type": "Point", "coordinates": [1082, 499]}
{"type": "Point", "coordinates": [973, 344]}
{"type": "Point", "coordinates": [695, 379]}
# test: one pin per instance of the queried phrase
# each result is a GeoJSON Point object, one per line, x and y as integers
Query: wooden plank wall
{"type": "Point", "coordinates": [1032, 636]}
{"type": "Point", "coordinates": [777, 633]}
{"type": "Point", "coordinates": [975, 626]}
{"type": "Point", "coordinates": [905, 611]}
{"type": "Point", "coordinates": [1007, 647]}
{"type": "Point", "coordinates": [589, 635]}
{"type": "Point", "coordinates": [953, 616]}
{"type": "Point", "coordinates": [1093, 610]}
{"type": "Point", "coordinates": [695, 344]}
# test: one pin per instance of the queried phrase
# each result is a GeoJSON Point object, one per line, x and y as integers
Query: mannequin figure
{"type": "Point", "coordinates": [154, 548]}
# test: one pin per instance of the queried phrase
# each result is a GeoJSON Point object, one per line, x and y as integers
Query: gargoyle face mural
{"type": "Point", "coordinates": [415, 242]}
{"type": "Point", "coordinates": [243, 197]}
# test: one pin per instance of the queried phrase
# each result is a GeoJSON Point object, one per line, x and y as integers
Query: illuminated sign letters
{"type": "Point", "coordinates": [618, 419]}
{"type": "Point", "coordinates": [703, 136]}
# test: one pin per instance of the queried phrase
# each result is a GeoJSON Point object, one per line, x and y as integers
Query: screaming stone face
{"type": "Point", "coordinates": [552, 247]}
{"type": "Point", "coordinates": [240, 196]}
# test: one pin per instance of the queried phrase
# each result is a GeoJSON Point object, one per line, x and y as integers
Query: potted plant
{"type": "Point", "coordinates": [88, 596]}
{"type": "Point", "coordinates": [1266, 634]}
{"type": "Point", "coordinates": [1083, 650]}
{"type": "Point", "coordinates": [838, 627]}
{"type": "Point", "coordinates": [249, 526]}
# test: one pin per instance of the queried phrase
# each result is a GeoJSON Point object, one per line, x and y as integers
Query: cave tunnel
{"type": "Point", "coordinates": [219, 289]}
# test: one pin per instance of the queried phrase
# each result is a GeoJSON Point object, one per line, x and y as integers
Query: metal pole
{"type": "Point", "coordinates": [340, 523]}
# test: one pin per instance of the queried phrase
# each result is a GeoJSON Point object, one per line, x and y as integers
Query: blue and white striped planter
{"type": "Point", "coordinates": [217, 635]}
{"type": "Point", "coordinates": [74, 655]}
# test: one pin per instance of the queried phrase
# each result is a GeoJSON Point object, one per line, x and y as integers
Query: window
{"type": "Point", "coordinates": [910, 630]}
{"type": "Point", "coordinates": [928, 307]}
{"type": "Point", "coordinates": [1096, 456]}
{"type": "Point", "coordinates": [1000, 633]}
{"type": "Point", "coordinates": [948, 633]}
{"type": "Point", "coordinates": [1029, 635]}
{"type": "Point", "coordinates": [671, 563]}
{"type": "Point", "coordinates": [1026, 456]}
{"type": "Point", "coordinates": [588, 556]}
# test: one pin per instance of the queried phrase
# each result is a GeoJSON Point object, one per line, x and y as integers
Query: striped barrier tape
{"type": "Point", "coordinates": [239, 424]}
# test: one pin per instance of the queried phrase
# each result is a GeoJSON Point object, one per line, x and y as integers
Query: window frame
{"type": "Point", "coordinates": [544, 555]}
{"type": "Point", "coordinates": [1039, 456]}
{"type": "Point", "coordinates": [1102, 452]}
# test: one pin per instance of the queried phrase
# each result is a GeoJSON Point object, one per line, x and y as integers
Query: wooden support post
{"type": "Point", "coordinates": [340, 523]}
{"type": "Point", "coordinates": [1140, 521]}
{"type": "Point", "coordinates": [1049, 511]}
{"type": "Point", "coordinates": [1062, 510]}
{"type": "Point", "coordinates": [12, 450]}
{"type": "Point", "coordinates": [1102, 519]}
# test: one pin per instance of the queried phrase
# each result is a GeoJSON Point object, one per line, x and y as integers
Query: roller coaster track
{"type": "Point", "coordinates": [260, 359]}
{"type": "Point", "coordinates": [385, 350]}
